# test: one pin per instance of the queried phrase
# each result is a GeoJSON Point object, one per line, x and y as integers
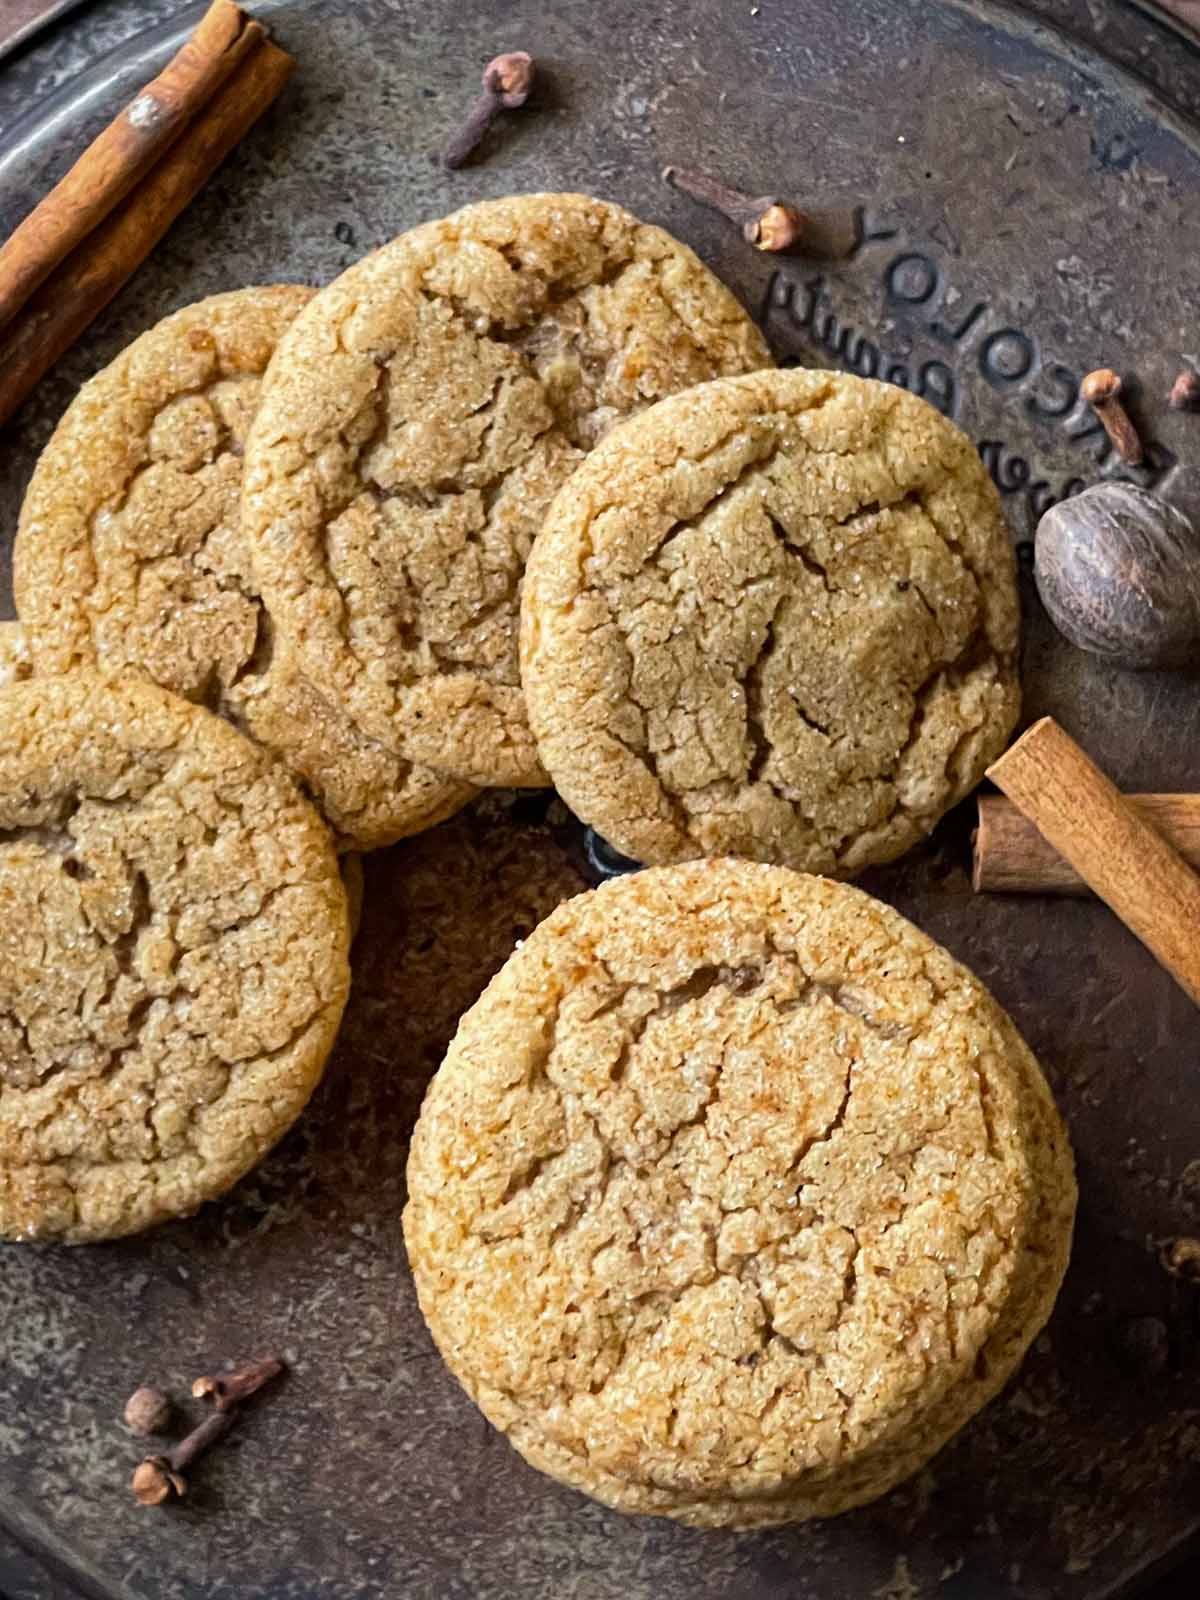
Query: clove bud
{"type": "Point", "coordinates": [775, 225]}
{"type": "Point", "coordinates": [1102, 389]}
{"type": "Point", "coordinates": [507, 80]}
{"type": "Point", "coordinates": [1181, 1257]}
{"type": "Point", "coordinates": [147, 1411]}
{"type": "Point", "coordinates": [1185, 392]}
{"type": "Point", "coordinates": [766, 222]}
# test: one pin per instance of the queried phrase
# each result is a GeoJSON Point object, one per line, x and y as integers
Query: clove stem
{"type": "Point", "coordinates": [774, 225]}
{"type": "Point", "coordinates": [507, 80]}
{"type": "Point", "coordinates": [228, 1388]}
{"type": "Point", "coordinates": [1102, 389]}
{"type": "Point", "coordinates": [157, 1478]}
{"type": "Point", "coordinates": [731, 203]}
{"type": "Point", "coordinates": [478, 121]}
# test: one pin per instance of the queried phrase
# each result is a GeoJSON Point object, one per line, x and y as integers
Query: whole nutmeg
{"type": "Point", "coordinates": [1118, 570]}
{"type": "Point", "coordinates": [147, 1411]}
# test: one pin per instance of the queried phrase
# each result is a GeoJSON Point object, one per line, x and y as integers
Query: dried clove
{"type": "Point", "coordinates": [1181, 1257]}
{"type": "Point", "coordinates": [507, 80]}
{"type": "Point", "coordinates": [229, 1388]}
{"type": "Point", "coordinates": [775, 225]}
{"type": "Point", "coordinates": [159, 1478]}
{"type": "Point", "coordinates": [766, 222]}
{"type": "Point", "coordinates": [147, 1411]}
{"type": "Point", "coordinates": [1102, 389]}
{"type": "Point", "coordinates": [1185, 392]}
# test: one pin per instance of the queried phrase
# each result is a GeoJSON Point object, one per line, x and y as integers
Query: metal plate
{"type": "Point", "coordinates": [1042, 217]}
{"type": "Point", "coordinates": [20, 20]}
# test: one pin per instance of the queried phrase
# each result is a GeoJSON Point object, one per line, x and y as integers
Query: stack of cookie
{"type": "Point", "coordinates": [735, 1196]}
{"type": "Point", "coordinates": [311, 513]}
{"type": "Point", "coordinates": [768, 1190]}
{"type": "Point", "coordinates": [271, 561]}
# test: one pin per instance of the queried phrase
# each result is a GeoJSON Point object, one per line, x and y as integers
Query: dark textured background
{"type": "Point", "coordinates": [1032, 180]}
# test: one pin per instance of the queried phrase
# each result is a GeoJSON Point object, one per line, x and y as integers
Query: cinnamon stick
{"type": "Point", "coordinates": [72, 295]}
{"type": "Point", "coordinates": [1012, 857]}
{"type": "Point", "coordinates": [1124, 859]}
{"type": "Point", "coordinates": [115, 161]}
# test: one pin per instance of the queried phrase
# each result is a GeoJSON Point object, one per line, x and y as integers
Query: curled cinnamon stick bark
{"type": "Point", "coordinates": [1010, 856]}
{"type": "Point", "coordinates": [68, 299]}
{"type": "Point", "coordinates": [1109, 843]}
{"type": "Point", "coordinates": [115, 161]}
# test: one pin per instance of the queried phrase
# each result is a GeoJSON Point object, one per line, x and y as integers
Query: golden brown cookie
{"type": "Point", "coordinates": [129, 556]}
{"type": "Point", "coordinates": [421, 414]}
{"type": "Point", "coordinates": [14, 657]}
{"type": "Point", "coordinates": [774, 617]}
{"type": "Point", "coordinates": [173, 955]}
{"type": "Point", "coordinates": [735, 1196]}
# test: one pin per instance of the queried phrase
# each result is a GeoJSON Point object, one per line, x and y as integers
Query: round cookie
{"type": "Point", "coordinates": [735, 1196]}
{"type": "Point", "coordinates": [418, 419]}
{"type": "Point", "coordinates": [774, 617]}
{"type": "Point", "coordinates": [173, 956]}
{"type": "Point", "coordinates": [129, 556]}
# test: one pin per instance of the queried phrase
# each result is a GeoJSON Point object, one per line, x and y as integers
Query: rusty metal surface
{"type": "Point", "coordinates": [1038, 213]}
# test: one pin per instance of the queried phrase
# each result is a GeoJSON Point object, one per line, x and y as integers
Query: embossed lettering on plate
{"type": "Point", "coordinates": [896, 312]}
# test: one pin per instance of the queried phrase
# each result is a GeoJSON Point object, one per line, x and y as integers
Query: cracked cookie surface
{"type": "Point", "coordinates": [173, 956]}
{"type": "Point", "coordinates": [777, 617]}
{"type": "Point", "coordinates": [735, 1196]}
{"type": "Point", "coordinates": [129, 555]}
{"type": "Point", "coordinates": [422, 413]}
